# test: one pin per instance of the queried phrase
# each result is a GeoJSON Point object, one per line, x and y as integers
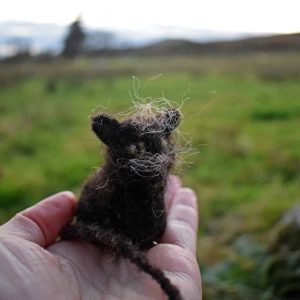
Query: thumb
{"type": "Point", "coordinates": [42, 222]}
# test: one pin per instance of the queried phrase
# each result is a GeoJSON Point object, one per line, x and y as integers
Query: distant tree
{"type": "Point", "coordinates": [74, 40]}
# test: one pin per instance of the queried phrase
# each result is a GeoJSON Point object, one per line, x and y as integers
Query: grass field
{"type": "Point", "coordinates": [243, 121]}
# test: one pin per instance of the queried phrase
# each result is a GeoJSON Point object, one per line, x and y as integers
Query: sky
{"type": "Point", "coordinates": [255, 16]}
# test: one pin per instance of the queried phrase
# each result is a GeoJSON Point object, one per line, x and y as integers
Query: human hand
{"type": "Point", "coordinates": [36, 266]}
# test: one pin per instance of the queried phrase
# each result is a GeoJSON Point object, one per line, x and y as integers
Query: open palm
{"type": "Point", "coordinates": [34, 266]}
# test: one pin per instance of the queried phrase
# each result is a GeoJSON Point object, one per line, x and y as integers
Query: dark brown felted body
{"type": "Point", "coordinates": [121, 207]}
{"type": "Point", "coordinates": [126, 205]}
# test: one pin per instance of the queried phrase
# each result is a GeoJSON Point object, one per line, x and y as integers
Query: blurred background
{"type": "Point", "coordinates": [235, 67]}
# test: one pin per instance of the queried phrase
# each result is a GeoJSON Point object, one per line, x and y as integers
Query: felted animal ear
{"type": "Point", "coordinates": [107, 129]}
{"type": "Point", "coordinates": [171, 120]}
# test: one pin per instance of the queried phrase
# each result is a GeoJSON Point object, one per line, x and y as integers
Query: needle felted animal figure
{"type": "Point", "coordinates": [121, 208]}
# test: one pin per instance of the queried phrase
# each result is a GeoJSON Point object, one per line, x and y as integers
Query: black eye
{"type": "Point", "coordinates": [132, 149]}
{"type": "Point", "coordinates": [142, 147]}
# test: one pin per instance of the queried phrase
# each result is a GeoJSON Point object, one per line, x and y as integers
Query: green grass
{"type": "Point", "coordinates": [246, 163]}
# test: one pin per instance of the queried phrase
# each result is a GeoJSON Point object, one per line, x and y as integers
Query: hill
{"type": "Point", "coordinates": [274, 43]}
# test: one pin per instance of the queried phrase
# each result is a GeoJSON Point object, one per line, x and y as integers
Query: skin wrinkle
{"type": "Point", "coordinates": [31, 229]}
{"type": "Point", "coordinates": [126, 267]}
{"type": "Point", "coordinates": [76, 271]}
{"type": "Point", "coordinates": [187, 196]}
{"type": "Point", "coordinates": [34, 223]}
{"type": "Point", "coordinates": [109, 278]}
{"type": "Point", "coordinates": [55, 208]}
{"type": "Point", "coordinates": [187, 279]}
{"type": "Point", "coordinates": [6, 238]}
{"type": "Point", "coordinates": [67, 269]}
{"type": "Point", "coordinates": [184, 261]}
{"type": "Point", "coordinates": [185, 266]}
{"type": "Point", "coordinates": [44, 228]}
{"type": "Point", "coordinates": [107, 283]}
{"type": "Point", "coordinates": [183, 238]}
{"type": "Point", "coordinates": [7, 251]}
{"type": "Point", "coordinates": [191, 204]}
{"type": "Point", "coordinates": [23, 271]}
{"type": "Point", "coordinates": [185, 214]}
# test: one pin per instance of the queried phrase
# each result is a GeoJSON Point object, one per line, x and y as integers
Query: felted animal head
{"type": "Point", "coordinates": [142, 142]}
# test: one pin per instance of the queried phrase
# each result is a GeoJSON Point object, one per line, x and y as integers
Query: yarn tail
{"type": "Point", "coordinates": [122, 247]}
